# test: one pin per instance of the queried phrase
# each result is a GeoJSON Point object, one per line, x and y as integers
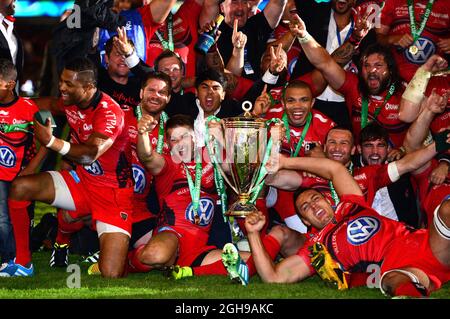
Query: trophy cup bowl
{"type": "Point", "coordinates": [245, 144]}
{"type": "Point", "coordinates": [244, 140]}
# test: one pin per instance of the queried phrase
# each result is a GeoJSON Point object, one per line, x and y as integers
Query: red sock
{"type": "Point", "coordinates": [272, 247]}
{"type": "Point", "coordinates": [21, 225]}
{"type": "Point", "coordinates": [134, 264]}
{"type": "Point", "coordinates": [65, 229]}
{"type": "Point", "coordinates": [216, 268]}
{"type": "Point", "coordinates": [410, 289]}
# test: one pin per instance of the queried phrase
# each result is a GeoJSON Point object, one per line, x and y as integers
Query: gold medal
{"type": "Point", "coordinates": [413, 49]}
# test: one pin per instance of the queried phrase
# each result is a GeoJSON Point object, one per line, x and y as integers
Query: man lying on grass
{"type": "Point", "coordinates": [413, 263]}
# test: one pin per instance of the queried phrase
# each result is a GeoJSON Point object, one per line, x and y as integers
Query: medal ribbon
{"type": "Point", "coordinates": [334, 194]}
{"type": "Point", "coordinates": [365, 106]}
{"type": "Point", "coordinates": [302, 137]}
{"type": "Point", "coordinates": [218, 178]}
{"type": "Point", "coordinates": [167, 44]}
{"type": "Point", "coordinates": [414, 32]}
{"type": "Point", "coordinates": [194, 189]}
{"type": "Point", "coordinates": [162, 120]}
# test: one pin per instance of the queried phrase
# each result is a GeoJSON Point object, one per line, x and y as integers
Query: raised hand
{"type": "Point", "coordinates": [209, 27]}
{"type": "Point", "coordinates": [262, 103]}
{"type": "Point", "coordinates": [297, 26]}
{"type": "Point", "coordinates": [254, 222]}
{"type": "Point", "coordinates": [435, 63]}
{"type": "Point", "coordinates": [121, 42]}
{"type": "Point", "coordinates": [238, 38]}
{"type": "Point", "coordinates": [277, 59]}
{"type": "Point", "coordinates": [436, 103]}
{"type": "Point", "coordinates": [404, 40]}
{"type": "Point", "coordinates": [146, 124]}
{"type": "Point", "coordinates": [362, 24]}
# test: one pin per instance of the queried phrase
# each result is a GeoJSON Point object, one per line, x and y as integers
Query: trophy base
{"type": "Point", "coordinates": [241, 210]}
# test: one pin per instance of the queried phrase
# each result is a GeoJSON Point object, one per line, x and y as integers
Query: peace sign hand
{"type": "Point", "coordinates": [121, 42]}
{"type": "Point", "coordinates": [277, 60]}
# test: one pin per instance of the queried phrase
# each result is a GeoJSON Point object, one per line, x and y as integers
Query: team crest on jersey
{"type": "Point", "coordinates": [362, 229]}
{"type": "Point", "coordinates": [139, 179]}
{"type": "Point", "coordinates": [426, 49]}
{"type": "Point", "coordinates": [7, 157]}
{"type": "Point", "coordinates": [94, 169]}
{"type": "Point", "coordinates": [205, 212]}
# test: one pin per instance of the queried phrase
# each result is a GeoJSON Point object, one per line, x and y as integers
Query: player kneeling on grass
{"type": "Point", "coordinates": [184, 182]}
{"type": "Point", "coordinates": [413, 263]}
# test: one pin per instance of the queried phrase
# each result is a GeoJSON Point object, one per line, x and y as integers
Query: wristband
{"type": "Point", "coordinates": [269, 78]}
{"type": "Point", "coordinates": [416, 88]}
{"type": "Point", "coordinates": [65, 149]}
{"type": "Point", "coordinates": [132, 60]}
{"type": "Point", "coordinates": [50, 143]}
{"type": "Point", "coordinates": [305, 39]}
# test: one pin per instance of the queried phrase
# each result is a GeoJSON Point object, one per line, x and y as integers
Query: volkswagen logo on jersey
{"type": "Point", "coordinates": [139, 179]}
{"type": "Point", "coordinates": [426, 49]}
{"type": "Point", "coordinates": [7, 157]}
{"type": "Point", "coordinates": [362, 229]}
{"type": "Point", "coordinates": [205, 212]}
{"type": "Point", "coordinates": [94, 169]}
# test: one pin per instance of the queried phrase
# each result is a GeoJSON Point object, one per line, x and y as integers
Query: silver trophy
{"type": "Point", "coordinates": [244, 139]}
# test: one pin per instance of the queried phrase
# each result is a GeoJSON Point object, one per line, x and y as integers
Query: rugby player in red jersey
{"type": "Point", "coordinates": [413, 262]}
{"type": "Point", "coordinates": [101, 183]}
{"type": "Point", "coordinates": [373, 95]}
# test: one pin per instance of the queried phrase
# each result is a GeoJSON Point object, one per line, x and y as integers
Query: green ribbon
{"type": "Point", "coordinates": [262, 169]}
{"type": "Point", "coordinates": [162, 120]}
{"type": "Point", "coordinates": [194, 189]}
{"type": "Point", "coordinates": [302, 137]}
{"type": "Point", "coordinates": [414, 32]}
{"type": "Point", "coordinates": [218, 178]}
{"type": "Point", "coordinates": [11, 128]}
{"type": "Point", "coordinates": [365, 107]}
{"type": "Point", "coordinates": [334, 194]}
{"type": "Point", "coordinates": [167, 44]}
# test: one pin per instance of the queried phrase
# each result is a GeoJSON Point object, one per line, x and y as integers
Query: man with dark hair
{"type": "Point", "coordinates": [386, 186]}
{"type": "Point", "coordinates": [116, 80]}
{"type": "Point", "coordinates": [413, 263]}
{"type": "Point", "coordinates": [188, 207]}
{"type": "Point", "coordinates": [374, 96]}
{"type": "Point", "coordinates": [101, 183]}
{"type": "Point", "coordinates": [18, 149]}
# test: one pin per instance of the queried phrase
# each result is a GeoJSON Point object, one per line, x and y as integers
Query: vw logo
{"type": "Point", "coordinates": [94, 168]}
{"type": "Point", "coordinates": [7, 157]}
{"type": "Point", "coordinates": [205, 212]}
{"type": "Point", "coordinates": [139, 179]}
{"type": "Point", "coordinates": [362, 229]}
{"type": "Point", "coordinates": [426, 49]}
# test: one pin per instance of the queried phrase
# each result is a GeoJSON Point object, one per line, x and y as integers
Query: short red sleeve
{"type": "Point", "coordinates": [350, 89]}
{"type": "Point", "coordinates": [109, 121]}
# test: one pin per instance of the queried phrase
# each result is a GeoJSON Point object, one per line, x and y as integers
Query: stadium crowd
{"type": "Point", "coordinates": [360, 89]}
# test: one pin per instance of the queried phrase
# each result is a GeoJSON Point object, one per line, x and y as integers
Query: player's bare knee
{"type": "Point", "coordinates": [109, 271]}
{"type": "Point", "coordinates": [154, 255]}
{"type": "Point", "coordinates": [20, 189]}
